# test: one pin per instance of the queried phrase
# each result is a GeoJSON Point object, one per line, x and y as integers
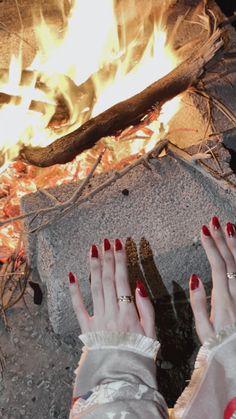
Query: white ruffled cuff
{"type": "Point", "coordinates": [205, 353]}
{"type": "Point", "coordinates": [134, 342]}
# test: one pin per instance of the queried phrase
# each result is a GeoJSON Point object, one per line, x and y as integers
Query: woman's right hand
{"type": "Point", "coordinates": [220, 249]}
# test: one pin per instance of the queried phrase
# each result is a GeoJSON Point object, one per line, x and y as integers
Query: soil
{"type": "Point", "coordinates": [38, 366]}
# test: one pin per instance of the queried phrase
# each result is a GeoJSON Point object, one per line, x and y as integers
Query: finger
{"type": "Point", "coordinates": [96, 282]}
{"type": "Point", "coordinates": [218, 236]}
{"type": "Point", "coordinates": [121, 278]}
{"type": "Point", "coordinates": [121, 272]}
{"type": "Point", "coordinates": [108, 279]}
{"type": "Point", "coordinates": [218, 266]}
{"type": "Point", "coordinates": [145, 310]}
{"type": "Point", "coordinates": [204, 328]}
{"type": "Point", "coordinates": [78, 303]}
{"type": "Point", "coordinates": [230, 233]}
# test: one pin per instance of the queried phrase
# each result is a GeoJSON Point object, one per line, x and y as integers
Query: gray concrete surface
{"type": "Point", "coordinates": [166, 206]}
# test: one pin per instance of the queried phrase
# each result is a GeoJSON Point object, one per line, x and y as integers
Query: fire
{"type": "Point", "coordinates": [98, 61]}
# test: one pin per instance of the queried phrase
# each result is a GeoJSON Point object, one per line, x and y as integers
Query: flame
{"type": "Point", "coordinates": [98, 60]}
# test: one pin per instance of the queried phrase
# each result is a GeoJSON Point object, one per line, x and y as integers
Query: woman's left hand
{"type": "Point", "coordinates": [109, 281]}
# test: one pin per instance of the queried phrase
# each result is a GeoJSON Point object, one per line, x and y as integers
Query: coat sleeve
{"type": "Point", "coordinates": [211, 392]}
{"type": "Point", "coordinates": [116, 378]}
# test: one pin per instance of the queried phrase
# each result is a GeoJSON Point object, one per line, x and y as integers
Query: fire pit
{"type": "Point", "coordinates": [152, 114]}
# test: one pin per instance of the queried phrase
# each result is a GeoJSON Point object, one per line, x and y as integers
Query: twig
{"type": "Point", "coordinates": [215, 158]}
{"type": "Point", "coordinates": [200, 166]}
{"type": "Point", "coordinates": [19, 14]}
{"type": "Point", "coordinates": [200, 156]}
{"type": "Point", "coordinates": [52, 198]}
{"type": "Point", "coordinates": [219, 105]}
{"type": "Point", "coordinates": [117, 175]}
{"type": "Point", "coordinates": [5, 29]}
{"type": "Point", "coordinates": [78, 192]}
{"type": "Point", "coordinates": [12, 274]}
{"type": "Point", "coordinates": [2, 362]}
{"type": "Point", "coordinates": [60, 206]}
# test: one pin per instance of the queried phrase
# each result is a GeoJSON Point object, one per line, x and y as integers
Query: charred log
{"type": "Point", "coordinates": [126, 113]}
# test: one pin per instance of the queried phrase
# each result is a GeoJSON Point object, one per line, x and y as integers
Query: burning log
{"type": "Point", "coordinates": [80, 95]}
{"type": "Point", "coordinates": [128, 112]}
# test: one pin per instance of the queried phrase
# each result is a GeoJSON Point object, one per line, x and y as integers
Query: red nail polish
{"type": "Point", "coordinates": [94, 251]}
{"type": "Point", "coordinates": [118, 245]}
{"type": "Point", "coordinates": [71, 278]}
{"type": "Point", "coordinates": [215, 222]}
{"type": "Point", "coordinates": [230, 228]}
{"type": "Point", "coordinates": [194, 282]}
{"type": "Point", "coordinates": [206, 231]}
{"type": "Point", "coordinates": [106, 244]}
{"type": "Point", "coordinates": [141, 289]}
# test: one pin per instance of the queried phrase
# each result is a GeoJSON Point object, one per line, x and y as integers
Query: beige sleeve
{"type": "Point", "coordinates": [211, 392]}
{"type": "Point", "coordinates": [116, 378]}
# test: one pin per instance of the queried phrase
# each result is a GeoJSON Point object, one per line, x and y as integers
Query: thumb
{"type": "Point", "coordinates": [145, 309]}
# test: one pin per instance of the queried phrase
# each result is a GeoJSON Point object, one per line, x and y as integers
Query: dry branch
{"type": "Point", "coordinates": [72, 202]}
{"type": "Point", "coordinates": [201, 166]}
{"type": "Point", "coordinates": [128, 112]}
{"type": "Point", "coordinates": [79, 95]}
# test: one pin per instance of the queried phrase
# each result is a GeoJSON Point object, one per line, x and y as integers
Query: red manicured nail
{"type": "Point", "coordinates": [106, 244]}
{"type": "Point", "coordinates": [71, 278]}
{"type": "Point", "coordinates": [94, 251]}
{"type": "Point", "coordinates": [215, 222]}
{"type": "Point", "coordinates": [118, 245]}
{"type": "Point", "coordinates": [230, 228]}
{"type": "Point", "coordinates": [206, 231]}
{"type": "Point", "coordinates": [141, 289]}
{"type": "Point", "coordinates": [194, 282]}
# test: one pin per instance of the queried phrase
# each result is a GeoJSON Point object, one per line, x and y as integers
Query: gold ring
{"type": "Point", "coordinates": [126, 298]}
{"type": "Point", "coordinates": [231, 275]}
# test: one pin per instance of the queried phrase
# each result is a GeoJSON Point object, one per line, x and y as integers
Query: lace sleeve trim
{"type": "Point", "coordinates": [121, 340]}
{"type": "Point", "coordinates": [200, 369]}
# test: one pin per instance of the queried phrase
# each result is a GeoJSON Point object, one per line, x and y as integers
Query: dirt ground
{"type": "Point", "coordinates": [39, 366]}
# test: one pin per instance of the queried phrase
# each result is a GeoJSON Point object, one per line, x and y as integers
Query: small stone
{"type": "Point", "coordinates": [125, 192]}
{"type": "Point", "coordinates": [195, 240]}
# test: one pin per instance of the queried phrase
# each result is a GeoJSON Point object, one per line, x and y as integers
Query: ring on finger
{"type": "Point", "coordinates": [231, 275]}
{"type": "Point", "coordinates": [126, 298]}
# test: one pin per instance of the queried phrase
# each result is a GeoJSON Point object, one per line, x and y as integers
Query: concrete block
{"type": "Point", "coordinates": [167, 206]}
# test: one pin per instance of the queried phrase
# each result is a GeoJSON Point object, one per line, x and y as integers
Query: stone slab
{"type": "Point", "coordinates": [167, 206]}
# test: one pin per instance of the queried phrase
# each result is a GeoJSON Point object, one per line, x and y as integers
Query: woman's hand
{"type": "Point", "coordinates": [109, 280]}
{"type": "Point", "coordinates": [220, 249]}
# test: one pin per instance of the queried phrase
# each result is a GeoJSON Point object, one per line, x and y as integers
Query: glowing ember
{"type": "Point", "coordinates": [101, 62]}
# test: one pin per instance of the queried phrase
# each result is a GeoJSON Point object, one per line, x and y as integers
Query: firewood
{"type": "Point", "coordinates": [128, 112]}
{"type": "Point", "coordinates": [80, 95]}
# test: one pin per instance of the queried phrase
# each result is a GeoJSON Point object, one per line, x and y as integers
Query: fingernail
{"type": "Point", "coordinates": [215, 222]}
{"type": "Point", "coordinates": [94, 251]}
{"type": "Point", "coordinates": [71, 278]}
{"type": "Point", "coordinates": [206, 231]}
{"type": "Point", "coordinates": [141, 289]}
{"type": "Point", "coordinates": [194, 282]}
{"type": "Point", "coordinates": [118, 245]}
{"type": "Point", "coordinates": [230, 228]}
{"type": "Point", "coordinates": [106, 245]}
